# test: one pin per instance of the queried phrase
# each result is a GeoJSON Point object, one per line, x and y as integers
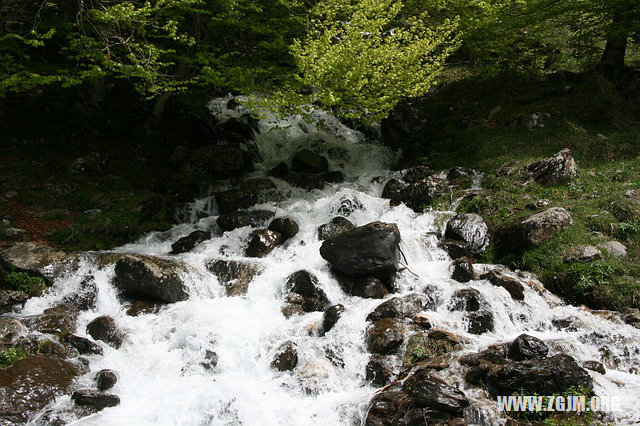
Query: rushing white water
{"type": "Point", "coordinates": [162, 381]}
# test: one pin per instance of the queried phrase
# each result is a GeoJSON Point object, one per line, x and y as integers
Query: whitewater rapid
{"type": "Point", "coordinates": [161, 379]}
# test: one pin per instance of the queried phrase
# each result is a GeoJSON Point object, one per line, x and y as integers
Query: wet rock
{"type": "Point", "coordinates": [336, 226]}
{"type": "Point", "coordinates": [615, 248]}
{"type": "Point", "coordinates": [400, 307]}
{"type": "Point", "coordinates": [35, 259]}
{"type": "Point", "coordinates": [583, 254]}
{"type": "Point", "coordinates": [186, 244]}
{"type": "Point", "coordinates": [306, 285]}
{"type": "Point", "coordinates": [417, 174]}
{"type": "Point", "coordinates": [429, 346]}
{"type": "Point", "coordinates": [509, 283]}
{"type": "Point", "coordinates": [527, 347]}
{"type": "Point", "coordinates": [467, 299]}
{"type": "Point", "coordinates": [104, 328]}
{"type": "Point", "coordinates": [463, 270]}
{"type": "Point", "coordinates": [534, 230]}
{"type": "Point", "coordinates": [28, 385]}
{"type": "Point", "coordinates": [9, 298]}
{"type": "Point", "coordinates": [248, 194]}
{"type": "Point", "coordinates": [106, 379]}
{"type": "Point", "coordinates": [384, 336]}
{"type": "Point", "coordinates": [430, 391]}
{"type": "Point", "coordinates": [253, 218]}
{"type": "Point", "coordinates": [95, 399]}
{"type": "Point", "coordinates": [331, 317]}
{"type": "Point", "coordinates": [420, 194]}
{"type": "Point", "coordinates": [494, 354]}
{"type": "Point", "coordinates": [60, 319]}
{"type": "Point", "coordinates": [83, 345]}
{"type": "Point", "coordinates": [51, 348]}
{"type": "Point", "coordinates": [308, 161]}
{"type": "Point", "coordinates": [150, 278]}
{"type": "Point", "coordinates": [378, 371]}
{"type": "Point", "coordinates": [263, 242]}
{"type": "Point", "coordinates": [392, 191]}
{"type": "Point", "coordinates": [480, 322]}
{"type": "Point", "coordinates": [314, 180]}
{"type": "Point", "coordinates": [234, 275]}
{"type": "Point", "coordinates": [631, 316]}
{"type": "Point", "coordinates": [286, 227]}
{"type": "Point", "coordinates": [294, 305]}
{"type": "Point", "coordinates": [210, 360]}
{"type": "Point", "coordinates": [555, 170]}
{"type": "Point", "coordinates": [545, 376]}
{"type": "Point", "coordinates": [594, 366]}
{"type": "Point", "coordinates": [455, 249]}
{"type": "Point", "coordinates": [368, 288]}
{"type": "Point", "coordinates": [388, 406]}
{"type": "Point", "coordinates": [141, 307]}
{"type": "Point", "coordinates": [10, 328]}
{"type": "Point", "coordinates": [85, 297]}
{"type": "Point", "coordinates": [279, 171]}
{"type": "Point", "coordinates": [286, 358]}
{"type": "Point", "coordinates": [423, 321]}
{"type": "Point", "coordinates": [471, 229]}
{"type": "Point", "coordinates": [369, 250]}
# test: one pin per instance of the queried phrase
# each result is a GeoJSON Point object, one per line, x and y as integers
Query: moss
{"type": "Point", "coordinates": [11, 355]}
{"type": "Point", "coordinates": [22, 281]}
{"type": "Point", "coordinates": [421, 348]}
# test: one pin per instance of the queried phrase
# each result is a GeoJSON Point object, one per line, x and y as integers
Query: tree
{"type": "Point", "coordinates": [361, 57]}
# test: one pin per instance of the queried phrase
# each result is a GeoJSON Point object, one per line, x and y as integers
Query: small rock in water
{"type": "Point", "coordinates": [336, 226]}
{"type": "Point", "coordinates": [106, 379]}
{"type": "Point", "coordinates": [480, 322]}
{"type": "Point", "coordinates": [455, 249]}
{"type": "Point", "coordinates": [186, 244]}
{"type": "Point", "coordinates": [400, 307]}
{"type": "Point", "coordinates": [95, 399]}
{"type": "Point", "coordinates": [306, 285]}
{"type": "Point", "coordinates": [139, 307]}
{"type": "Point", "coordinates": [280, 170]}
{"type": "Point", "coordinates": [348, 205]}
{"type": "Point", "coordinates": [378, 370]}
{"type": "Point", "coordinates": [210, 360]}
{"type": "Point", "coordinates": [594, 366]}
{"type": "Point", "coordinates": [384, 336]}
{"type": "Point", "coordinates": [253, 218]}
{"type": "Point", "coordinates": [263, 242]}
{"type": "Point", "coordinates": [235, 275]}
{"type": "Point", "coordinates": [104, 328]}
{"type": "Point", "coordinates": [288, 228]}
{"type": "Point", "coordinates": [286, 358]}
{"type": "Point", "coordinates": [467, 299]}
{"type": "Point", "coordinates": [369, 288]}
{"type": "Point", "coordinates": [331, 317]}
{"type": "Point", "coordinates": [500, 279]}
{"type": "Point", "coordinates": [308, 161]}
{"type": "Point", "coordinates": [83, 345]}
{"type": "Point", "coordinates": [527, 347]}
{"type": "Point", "coordinates": [463, 270]}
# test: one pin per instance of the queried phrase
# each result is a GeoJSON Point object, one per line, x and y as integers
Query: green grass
{"type": "Point", "coordinates": [599, 125]}
{"type": "Point", "coordinates": [22, 281]}
{"type": "Point", "coordinates": [11, 355]}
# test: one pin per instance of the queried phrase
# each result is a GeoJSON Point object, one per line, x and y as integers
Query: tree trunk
{"type": "Point", "coordinates": [616, 47]}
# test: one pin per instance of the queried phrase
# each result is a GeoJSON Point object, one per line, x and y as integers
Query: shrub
{"type": "Point", "coordinates": [11, 355]}
{"type": "Point", "coordinates": [22, 281]}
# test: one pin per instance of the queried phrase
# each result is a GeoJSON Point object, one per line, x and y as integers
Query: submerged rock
{"type": "Point", "coordinates": [104, 328]}
{"type": "Point", "coordinates": [286, 358]}
{"type": "Point", "coordinates": [480, 322]}
{"type": "Point", "coordinates": [467, 299]}
{"type": "Point", "coordinates": [594, 366]}
{"type": "Point", "coordinates": [471, 229]}
{"type": "Point", "coordinates": [336, 226]}
{"type": "Point", "coordinates": [369, 250]}
{"type": "Point", "coordinates": [534, 230]}
{"type": "Point", "coordinates": [235, 275]}
{"type": "Point", "coordinates": [151, 278]}
{"type": "Point", "coordinates": [555, 170]}
{"type": "Point", "coordinates": [253, 218]}
{"type": "Point", "coordinates": [186, 244]}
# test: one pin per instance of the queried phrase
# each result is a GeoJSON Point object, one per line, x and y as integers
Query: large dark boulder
{"type": "Point", "coordinates": [369, 250]}
{"type": "Point", "coordinates": [545, 376]}
{"type": "Point", "coordinates": [234, 275]}
{"type": "Point", "coordinates": [419, 193]}
{"type": "Point", "coordinates": [336, 226]}
{"type": "Point", "coordinates": [308, 161]}
{"type": "Point", "coordinates": [28, 385]}
{"type": "Point", "coordinates": [527, 347]}
{"type": "Point", "coordinates": [430, 391]}
{"type": "Point", "coordinates": [471, 229]}
{"type": "Point", "coordinates": [150, 278]}
{"type": "Point", "coordinates": [186, 244]}
{"type": "Point", "coordinates": [253, 218]}
{"type": "Point", "coordinates": [534, 230]}
{"type": "Point", "coordinates": [378, 370]}
{"type": "Point", "coordinates": [306, 285]}
{"type": "Point", "coordinates": [555, 170]}
{"type": "Point", "coordinates": [263, 242]}
{"type": "Point", "coordinates": [384, 336]}
{"type": "Point", "coordinates": [104, 328]}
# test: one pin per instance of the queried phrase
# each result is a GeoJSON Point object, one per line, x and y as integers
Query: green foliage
{"type": "Point", "coordinates": [22, 281]}
{"type": "Point", "coordinates": [362, 57]}
{"type": "Point", "coordinates": [11, 355]}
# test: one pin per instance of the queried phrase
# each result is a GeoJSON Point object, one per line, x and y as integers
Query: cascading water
{"type": "Point", "coordinates": [161, 376]}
